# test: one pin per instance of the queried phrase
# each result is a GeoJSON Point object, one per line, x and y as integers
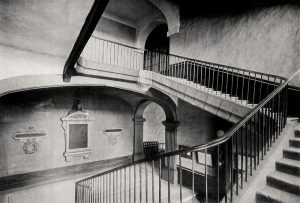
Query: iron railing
{"type": "Point", "coordinates": [212, 171]}
{"type": "Point", "coordinates": [241, 85]}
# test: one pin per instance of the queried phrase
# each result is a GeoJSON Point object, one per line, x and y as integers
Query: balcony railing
{"type": "Point", "coordinates": [212, 171]}
{"type": "Point", "coordinates": [244, 86]}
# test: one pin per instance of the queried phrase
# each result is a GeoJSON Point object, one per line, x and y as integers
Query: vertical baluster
{"type": "Point", "coordinates": [140, 182]}
{"type": "Point", "coordinates": [159, 186]}
{"type": "Point", "coordinates": [251, 144]}
{"type": "Point", "coordinates": [254, 89]}
{"type": "Point", "coordinates": [114, 186]}
{"type": "Point", "coordinates": [248, 86]}
{"type": "Point", "coordinates": [208, 69]}
{"type": "Point", "coordinates": [221, 89]}
{"type": "Point", "coordinates": [217, 84]}
{"type": "Point", "coordinates": [226, 87]}
{"type": "Point", "coordinates": [258, 135]}
{"type": "Point", "coordinates": [206, 181]}
{"type": "Point", "coordinates": [240, 132]}
{"type": "Point", "coordinates": [231, 168]}
{"type": "Point", "coordinates": [129, 184]}
{"type": "Point", "coordinates": [243, 81]}
{"type": "Point", "coordinates": [193, 177]}
{"type": "Point", "coordinates": [269, 124]}
{"type": "Point", "coordinates": [152, 170]}
{"type": "Point", "coordinates": [255, 140]}
{"type": "Point", "coordinates": [125, 185]}
{"type": "Point", "coordinates": [120, 188]}
{"type": "Point", "coordinates": [218, 172]}
{"type": "Point", "coordinates": [134, 184]}
{"type": "Point", "coordinates": [169, 194]}
{"type": "Point", "coordinates": [237, 164]}
{"type": "Point", "coordinates": [204, 66]}
{"type": "Point", "coordinates": [146, 183]}
{"type": "Point", "coordinates": [237, 83]}
{"type": "Point", "coordinates": [194, 74]}
{"type": "Point", "coordinates": [247, 152]}
{"type": "Point", "coordinates": [180, 178]}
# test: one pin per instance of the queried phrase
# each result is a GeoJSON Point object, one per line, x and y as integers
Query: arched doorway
{"type": "Point", "coordinates": [157, 48]}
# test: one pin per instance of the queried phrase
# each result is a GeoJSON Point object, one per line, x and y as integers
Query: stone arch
{"type": "Point", "coordinates": [170, 124]}
{"type": "Point", "coordinates": [171, 12]}
{"type": "Point", "coordinates": [145, 30]}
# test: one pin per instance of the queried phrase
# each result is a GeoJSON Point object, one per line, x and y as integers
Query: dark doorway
{"type": "Point", "coordinates": [157, 49]}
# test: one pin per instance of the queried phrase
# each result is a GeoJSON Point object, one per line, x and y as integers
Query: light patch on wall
{"type": "Point", "coordinates": [113, 135]}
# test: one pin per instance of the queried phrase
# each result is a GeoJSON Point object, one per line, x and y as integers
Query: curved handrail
{"type": "Point", "coordinates": [212, 143]}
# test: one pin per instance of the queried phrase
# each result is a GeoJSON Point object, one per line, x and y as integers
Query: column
{"type": "Point", "coordinates": [170, 145]}
{"type": "Point", "coordinates": [138, 151]}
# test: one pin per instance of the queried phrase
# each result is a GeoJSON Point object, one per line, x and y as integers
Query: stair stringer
{"type": "Point", "coordinates": [219, 106]}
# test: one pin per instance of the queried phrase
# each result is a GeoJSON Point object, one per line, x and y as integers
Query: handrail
{"type": "Point", "coordinates": [259, 127]}
{"type": "Point", "coordinates": [212, 143]}
{"type": "Point", "coordinates": [190, 59]}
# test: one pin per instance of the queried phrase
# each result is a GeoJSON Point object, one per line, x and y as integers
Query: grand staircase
{"type": "Point", "coordinates": [283, 185]}
{"type": "Point", "coordinates": [255, 102]}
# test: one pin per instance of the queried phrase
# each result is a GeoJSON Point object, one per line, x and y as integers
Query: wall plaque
{"type": "Point", "coordinates": [113, 135]}
{"type": "Point", "coordinates": [30, 138]}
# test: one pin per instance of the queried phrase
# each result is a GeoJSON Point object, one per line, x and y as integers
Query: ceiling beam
{"type": "Point", "coordinates": [85, 33]}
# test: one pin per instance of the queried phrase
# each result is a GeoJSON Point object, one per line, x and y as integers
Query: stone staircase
{"type": "Point", "coordinates": [284, 184]}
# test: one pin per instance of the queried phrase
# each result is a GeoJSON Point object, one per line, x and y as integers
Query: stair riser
{"type": "Point", "coordinates": [291, 155]}
{"type": "Point", "coordinates": [260, 198]}
{"type": "Point", "coordinates": [294, 143]}
{"type": "Point", "coordinates": [297, 133]}
{"type": "Point", "coordinates": [293, 170]}
{"type": "Point", "coordinates": [284, 186]}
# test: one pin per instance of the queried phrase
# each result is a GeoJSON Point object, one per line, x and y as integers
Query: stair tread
{"type": "Point", "coordinates": [289, 162]}
{"type": "Point", "coordinates": [292, 149]}
{"type": "Point", "coordinates": [279, 195]}
{"type": "Point", "coordinates": [284, 177]}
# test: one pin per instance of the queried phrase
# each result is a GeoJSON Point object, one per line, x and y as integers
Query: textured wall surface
{"type": "Point", "coordinates": [266, 40]}
{"type": "Point", "coordinates": [196, 126]}
{"type": "Point", "coordinates": [153, 128]}
{"type": "Point", "coordinates": [114, 31]}
{"type": "Point", "coordinates": [42, 109]}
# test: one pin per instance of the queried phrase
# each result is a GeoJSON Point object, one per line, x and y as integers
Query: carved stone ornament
{"type": "Point", "coordinates": [112, 135]}
{"type": "Point", "coordinates": [30, 138]}
{"type": "Point", "coordinates": [76, 132]}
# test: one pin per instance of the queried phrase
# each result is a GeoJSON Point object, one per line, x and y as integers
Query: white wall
{"type": "Point", "coordinates": [42, 109]}
{"type": "Point", "coordinates": [266, 40]}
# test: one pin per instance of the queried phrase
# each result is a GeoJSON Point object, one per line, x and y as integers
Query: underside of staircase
{"type": "Point", "coordinates": [283, 185]}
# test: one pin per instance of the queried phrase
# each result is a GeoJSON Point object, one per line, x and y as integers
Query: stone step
{"type": "Point", "coordinates": [297, 133]}
{"type": "Point", "coordinates": [288, 166]}
{"type": "Point", "coordinates": [295, 142]}
{"type": "Point", "coordinates": [272, 195]}
{"type": "Point", "coordinates": [285, 182]}
{"type": "Point", "coordinates": [292, 153]}
{"type": "Point", "coordinates": [244, 102]}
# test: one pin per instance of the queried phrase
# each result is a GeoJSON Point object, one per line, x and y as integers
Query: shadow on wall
{"type": "Point", "coordinates": [197, 126]}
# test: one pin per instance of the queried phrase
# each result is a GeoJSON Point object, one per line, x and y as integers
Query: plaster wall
{"type": "Point", "coordinates": [36, 37]}
{"type": "Point", "coordinates": [153, 128]}
{"type": "Point", "coordinates": [266, 40]}
{"type": "Point", "coordinates": [42, 109]}
{"type": "Point", "coordinates": [196, 125]}
{"type": "Point", "coordinates": [115, 31]}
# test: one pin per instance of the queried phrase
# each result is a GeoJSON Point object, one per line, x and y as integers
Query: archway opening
{"type": "Point", "coordinates": [154, 130]}
{"type": "Point", "coordinates": [157, 48]}
{"type": "Point", "coordinates": [158, 40]}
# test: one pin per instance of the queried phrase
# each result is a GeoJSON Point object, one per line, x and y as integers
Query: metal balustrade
{"type": "Point", "coordinates": [214, 171]}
